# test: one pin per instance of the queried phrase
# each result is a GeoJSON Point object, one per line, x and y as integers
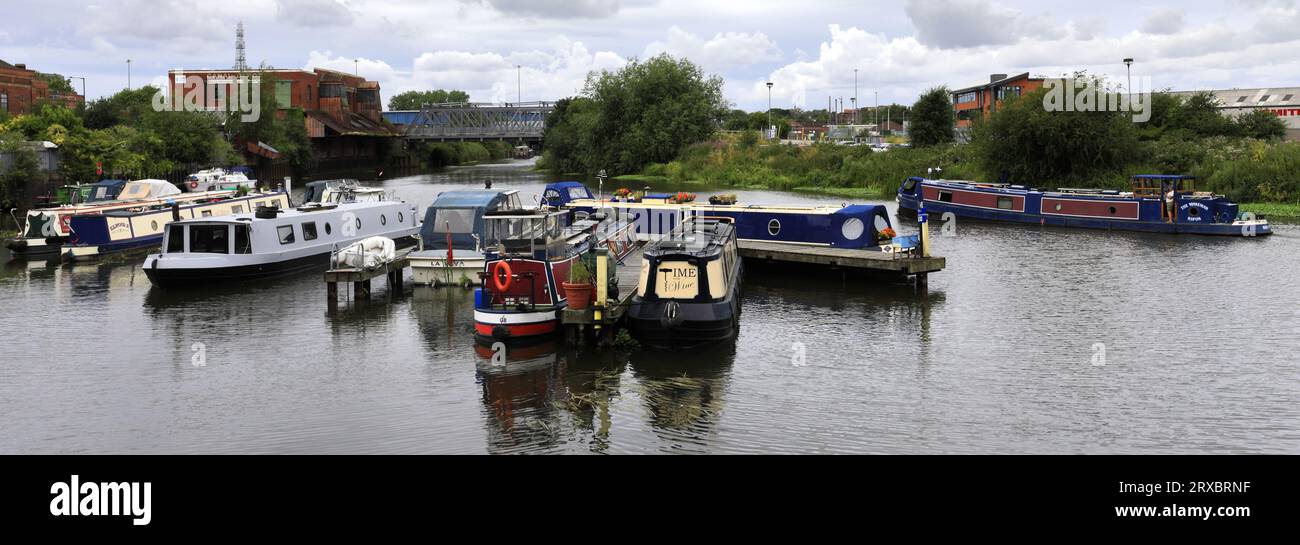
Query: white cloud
{"type": "Point", "coordinates": [313, 13]}
{"type": "Point", "coordinates": [184, 26]}
{"type": "Point", "coordinates": [1164, 21]}
{"type": "Point", "coordinates": [725, 51]}
{"type": "Point", "coordinates": [558, 9]}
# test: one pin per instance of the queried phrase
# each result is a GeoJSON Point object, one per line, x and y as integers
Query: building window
{"type": "Point", "coordinates": [1264, 98]}
{"type": "Point", "coordinates": [1241, 99]}
{"type": "Point", "coordinates": [4, 101]}
{"type": "Point", "coordinates": [1287, 98]}
{"type": "Point", "coordinates": [966, 97]}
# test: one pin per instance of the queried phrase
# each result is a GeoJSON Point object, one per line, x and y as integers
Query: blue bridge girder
{"type": "Point", "coordinates": [480, 121]}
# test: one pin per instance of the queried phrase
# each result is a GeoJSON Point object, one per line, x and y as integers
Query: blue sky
{"type": "Point", "coordinates": [808, 49]}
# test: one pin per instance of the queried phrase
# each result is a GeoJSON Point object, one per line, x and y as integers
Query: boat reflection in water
{"type": "Point", "coordinates": [684, 395]}
{"type": "Point", "coordinates": [541, 399]}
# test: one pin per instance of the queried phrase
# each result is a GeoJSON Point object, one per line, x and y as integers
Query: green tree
{"type": "Point", "coordinates": [414, 100]}
{"type": "Point", "coordinates": [1261, 124]}
{"type": "Point", "coordinates": [1199, 114]}
{"type": "Point", "coordinates": [566, 136]}
{"type": "Point", "coordinates": [1025, 143]}
{"type": "Point", "coordinates": [932, 118]}
{"type": "Point", "coordinates": [22, 174]}
{"type": "Point", "coordinates": [647, 112]}
{"type": "Point", "coordinates": [56, 82]}
{"type": "Point", "coordinates": [124, 107]}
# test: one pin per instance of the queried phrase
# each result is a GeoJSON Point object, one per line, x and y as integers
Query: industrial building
{"type": "Point", "coordinates": [22, 89]}
{"type": "Point", "coordinates": [1281, 101]}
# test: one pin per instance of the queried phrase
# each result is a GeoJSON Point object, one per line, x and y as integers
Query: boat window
{"type": "Point", "coordinates": [909, 185]}
{"type": "Point", "coordinates": [1004, 203]}
{"type": "Point", "coordinates": [237, 209]}
{"type": "Point", "coordinates": [773, 227]}
{"type": "Point", "coordinates": [945, 196]}
{"type": "Point", "coordinates": [1193, 211]}
{"type": "Point", "coordinates": [1113, 210]}
{"type": "Point", "coordinates": [206, 213]}
{"type": "Point", "coordinates": [309, 231]}
{"type": "Point", "coordinates": [358, 224]}
{"type": "Point", "coordinates": [458, 220]}
{"type": "Point", "coordinates": [383, 220]}
{"type": "Point", "coordinates": [286, 234]}
{"type": "Point", "coordinates": [175, 239]}
{"type": "Point", "coordinates": [243, 245]}
{"type": "Point", "coordinates": [327, 228]}
{"type": "Point", "coordinates": [209, 239]}
{"type": "Point", "coordinates": [153, 225]}
{"type": "Point", "coordinates": [401, 218]}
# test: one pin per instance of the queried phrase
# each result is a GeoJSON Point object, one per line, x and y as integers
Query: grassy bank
{"type": "Point", "coordinates": [445, 154]}
{"type": "Point", "coordinates": [6, 234]}
{"type": "Point", "coordinates": [850, 171]}
{"type": "Point", "coordinates": [1273, 209]}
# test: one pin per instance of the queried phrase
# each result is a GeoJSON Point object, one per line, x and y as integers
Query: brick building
{"type": "Point", "coordinates": [342, 111]}
{"type": "Point", "coordinates": [21, 90]}
{"type": "Point", "coordinates": [982, 100]}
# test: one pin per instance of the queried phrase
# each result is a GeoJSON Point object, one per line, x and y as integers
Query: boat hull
{"type": "Point", "coordinates": [509, 325]}
{"type": "Point", "coordinates": [199, 277]}
{"type": "Point", "coordinates": [691, 325]}
{"type": "Point", "coordinates": [908, 203]}
{"type": "Point", "coordinates": [35, 247]}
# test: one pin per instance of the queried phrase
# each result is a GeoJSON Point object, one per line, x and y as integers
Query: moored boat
{"type": "Point", "coordinates": [139, 227]}
{"type": "Point", "coordinates": [689, 289]}
{"type": "Point", "coordinates": [46, 230]}
{"type": "Point", "coordinates": [451, 236]}
{"type": "Point", "coordinates": [657, 214]}
{"type": "Point", "coordinates": [1156, 203]}
{"type": "Point", "coordinates": [271, 242]}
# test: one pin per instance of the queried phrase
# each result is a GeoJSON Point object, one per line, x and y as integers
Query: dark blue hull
{"type": "Point", "coordinates": [908, 203]}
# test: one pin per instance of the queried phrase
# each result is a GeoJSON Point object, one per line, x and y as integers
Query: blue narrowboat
{"type": "Point", "coordinates": [658, 214]}
{"type": "Point", "coordinates": [1156, 203]}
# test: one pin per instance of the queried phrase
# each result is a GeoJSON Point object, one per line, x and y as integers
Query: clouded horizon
{"type": "Point", "coordinates": [808, 50]}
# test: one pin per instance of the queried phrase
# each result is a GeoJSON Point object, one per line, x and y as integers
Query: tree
{"type": "Point", "coordinates": [22, 174]}
{"type": "Point", "coordinates": [414, 100]}
{"type": "Point", "coordinates": [932, 118]}
{"type": "Point", "coordinates": [647, 112]}
{"type": "Point", "coordinates": [57, 83]}
{"type": "Point", "coordinates": [1025, 143]}
{"type": "Point", "coordinates": [128, 106]}
{"type": "Point", "coordinates": [566, 136]}
{"type": "Point", "coordinates": [1261, 124]}
{"type": "Point", "coordinates": [1199, 114]}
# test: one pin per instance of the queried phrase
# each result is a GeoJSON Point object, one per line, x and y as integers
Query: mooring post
{"type": "Point", "coordinates": [332, 291]}
{"type": "Point", "coordinates": [922, 283]}
{"type": "Point", "coordinates": [361, 290]}
{"type": "Point", "coordinates": [923, 219]}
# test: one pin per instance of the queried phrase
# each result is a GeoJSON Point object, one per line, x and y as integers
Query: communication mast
{"type": "Point", "coordinates": [240, 63]}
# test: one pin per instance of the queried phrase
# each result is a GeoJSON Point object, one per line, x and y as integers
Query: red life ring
{"type": "Point", "coordinates": [194, 185]}
{"type": "Point", "coordinates": [502, 285]}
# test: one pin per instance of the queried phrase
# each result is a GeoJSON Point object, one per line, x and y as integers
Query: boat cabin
{"type": "Point", "coordinates": [696, 263]}
{"type": "Point", "coordinates": [461, 213]}
{"type": "Point", "coordinates": [534, 233]}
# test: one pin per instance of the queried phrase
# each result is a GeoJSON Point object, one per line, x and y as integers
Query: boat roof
{"type": "Point", "coordinates": [467, 198]}
{"type": "Point", "coordinates": [1164, 176]}
{"type": "Point", "coordinates": [291, 212]}
{"type": "Point", "coordinates": [705, 240]}
{"type": "Point", "coordinates": [147, 189]}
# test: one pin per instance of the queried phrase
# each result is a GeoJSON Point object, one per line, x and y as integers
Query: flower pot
{"type": "Point", "coordinates": [578, 294]}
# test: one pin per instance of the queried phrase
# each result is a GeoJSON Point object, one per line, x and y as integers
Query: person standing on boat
{"type": "Point", "coordinates": [1167, 193]}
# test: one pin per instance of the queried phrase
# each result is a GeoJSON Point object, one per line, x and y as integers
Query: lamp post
{"type": "Point", "coordinates": [83, 84]}
{"type": "Point", "coordinates": [856, 118]}
{"type": "Point", "coordinates": [519, 83]}
{"type": "Point", "coordinates": [128, 74]}
{"type": "Point", "coordinates": [1128, 66]}
{"type": "Point", "coordinates": [769, 107]}
{"type": "Point", "coordinates": [356, 67]}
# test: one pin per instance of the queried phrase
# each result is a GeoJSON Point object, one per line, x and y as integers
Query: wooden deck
{"type": "Point", "coordinates": [865, 260]}
{"type": "Point", "coordinates": [612, 312]}
{"type": "Point", "coordinates": [360, 278]}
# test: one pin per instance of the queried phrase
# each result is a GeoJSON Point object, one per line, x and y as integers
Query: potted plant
{"type": "Point", "coordinates": [886, 235]}
{"type": "Point", "coordinates": [623, 194]}
{"type": "Point", "coordinates": [579, 289]}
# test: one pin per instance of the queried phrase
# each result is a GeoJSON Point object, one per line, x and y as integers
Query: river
{"type": "Point", "coordinates": [1033, 340]}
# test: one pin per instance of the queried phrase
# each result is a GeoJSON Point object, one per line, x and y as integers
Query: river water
{"type": "Point", "coordinates": [1034, 340]}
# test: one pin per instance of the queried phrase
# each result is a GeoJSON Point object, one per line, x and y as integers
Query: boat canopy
{"type": "Point", "coordinates": [105, 190]}
{"type": "Point", "coordinates": [461, 212]}
{"type": "Point", "coordinates": [147, 189]}
{"type": "Point", "coordinates": [562, 193]}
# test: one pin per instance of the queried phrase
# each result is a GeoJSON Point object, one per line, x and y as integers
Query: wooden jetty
{"type": "Point", "coordinates": [360, 278]}
{"type": "Point", "coordinates": [866, 260]}
{"type": "Point", "coordinates": [606, 309]}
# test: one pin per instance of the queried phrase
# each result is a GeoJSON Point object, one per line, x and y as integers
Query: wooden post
{"type": "Point", "coordinates": [361, 290]}
{"type": "Point", "coordinates": [332, 291]}
{"type": "Point", "coordinates": [923, 219]}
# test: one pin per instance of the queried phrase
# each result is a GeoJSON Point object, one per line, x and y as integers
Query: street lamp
{"type": "Point", "coordinates": [356, 67]}
{"type": "Point", "coordinates": [856, 118]}
{"type": "Point", "coordinates": [128, 74]}
{"type": "Point", "coordinates": [83, 84]}
{"type": "Point", "coordinates": [769, 107]}
{"type": "Point", "coordinates": [519, 83]}
{"type": "Point", "coordinates": [1128, 65]}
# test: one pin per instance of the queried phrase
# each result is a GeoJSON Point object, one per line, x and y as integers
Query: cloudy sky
{"type": "Point", "coordinates": [808, 49]}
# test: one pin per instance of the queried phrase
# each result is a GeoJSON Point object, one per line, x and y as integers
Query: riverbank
{"type": "Point", "coordinates": [1289, 211]}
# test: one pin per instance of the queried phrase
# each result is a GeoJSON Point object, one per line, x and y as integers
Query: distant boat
{"type": "Point", "coordinates": [271, 242]}
{"type": "Point", "coordinates": [848, 226]}
{"type": "Point", "coordinates": [341, 191]}
{"type": "Point", "coordinates": [1156, 203]}
{"type": "Point", "coordinates": [689, 293]}
{"type": "Point", "coordinates": [216, 179]}
{"type": "Point", "coordinates": [47, 229]}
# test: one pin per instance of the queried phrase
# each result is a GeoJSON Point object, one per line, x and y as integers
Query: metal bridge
{"type": "Point", "coordinates": [475, 121]}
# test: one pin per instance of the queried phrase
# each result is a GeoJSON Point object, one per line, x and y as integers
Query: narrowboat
{"type": "Point", "coordinates": [46, 230]}
{"type": "Point", "coordinates": [689, 289]}
{"type": "Point", "coordinates": [1156, 203]}
{"type": "Point", "coordinates": [270, 241]}
{"type": "Point", "coordinates": [528, 255]}
{"type": "Point", "coordinates": [141, 227]}
{"type": "Point", "coordinates": [657, 214]}
{"type": "Point", "coordinates": [451, 236]}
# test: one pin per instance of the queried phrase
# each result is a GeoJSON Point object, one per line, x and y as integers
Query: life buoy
{"type": "Point", "coordinates": [194, 185]}
{"type": "Point", "coordinates": [502, 285]}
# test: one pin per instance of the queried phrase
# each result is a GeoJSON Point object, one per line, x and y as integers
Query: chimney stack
{"type": "Point", "coordinates": [997, 77]}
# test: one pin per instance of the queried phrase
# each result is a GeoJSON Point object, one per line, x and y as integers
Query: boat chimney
{"type": "Point", "coordinates": [176, 211]}
{"type": "Point", "coordinates": [487, 183]}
